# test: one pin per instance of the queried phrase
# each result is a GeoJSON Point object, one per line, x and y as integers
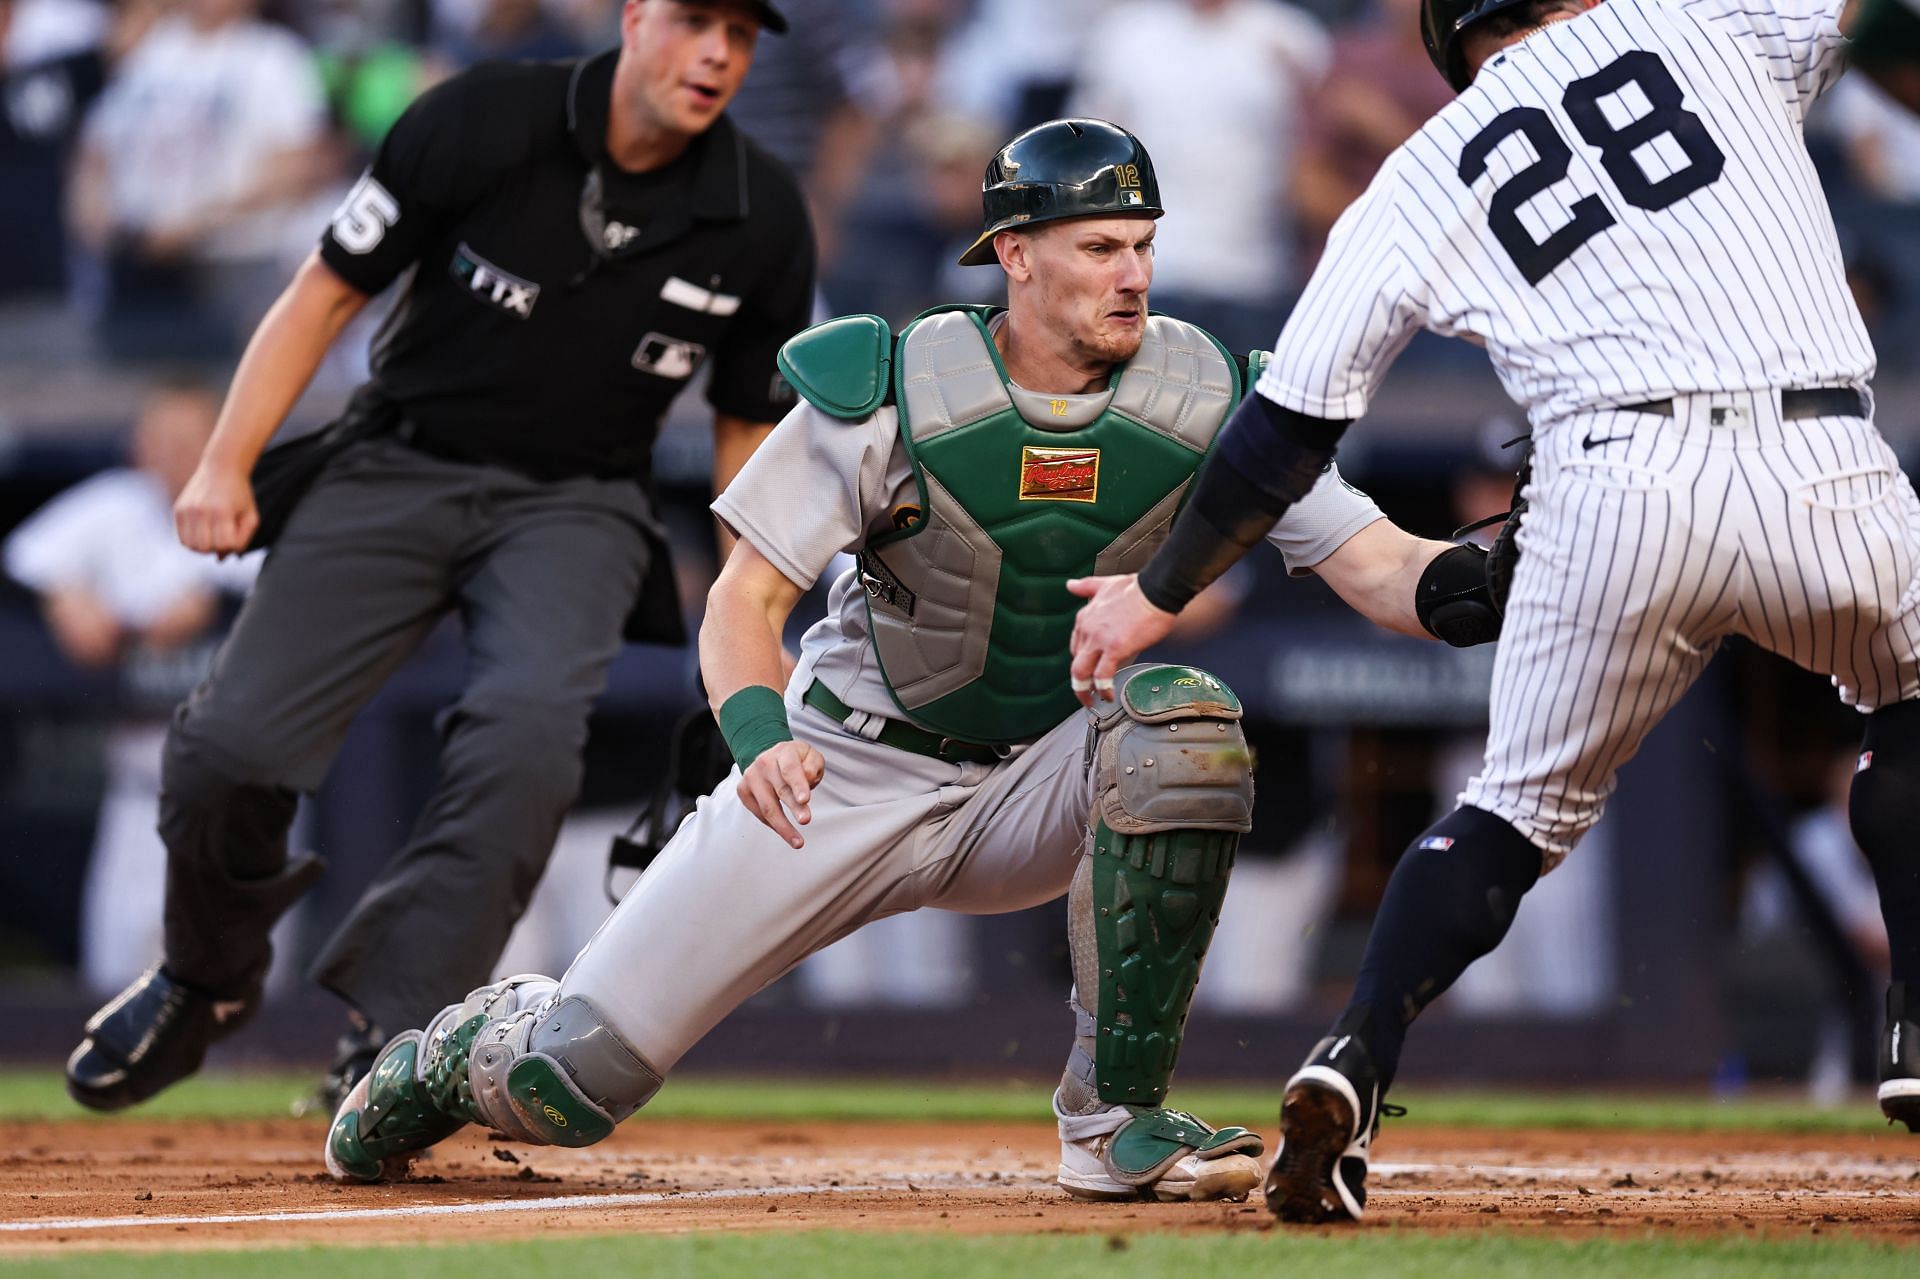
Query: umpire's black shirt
{"type": "Point", "coordinates": [560, 302]}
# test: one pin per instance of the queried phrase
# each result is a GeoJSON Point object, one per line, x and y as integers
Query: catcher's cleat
{"type": "Point", "coordinates": [1132, 1152]}
{"type": "Point", "coordinates": [1900, 1061]}
{"type": "Point", "coordinates": [407, 1102]}
{"type": "Point", "coordinates": [1328, 1119]}
{"type": "Point", "coordinates": [151, 1035]}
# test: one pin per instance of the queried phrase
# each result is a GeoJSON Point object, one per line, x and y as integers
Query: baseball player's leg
{"type": "Point", "coordinates": [1169, 790]}
{"type": "Point", "coordinates": [544, 604]}
{"type": "Point", "coordinates": [725, 909]}
{"type": "Point", "coordinates": [354, 584]}
{"type": "Point", "coordinates": [1863, 530]}
{"type": "Point", "coordinates": [1884, 809]}
{"type": "Point", "coordinates": [1614, 612]}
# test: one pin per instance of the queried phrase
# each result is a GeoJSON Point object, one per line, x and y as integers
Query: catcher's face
{"type": "Point", "coordinates": [688, 59]}
{"type": "Point", "coordinates": [1085, 280]}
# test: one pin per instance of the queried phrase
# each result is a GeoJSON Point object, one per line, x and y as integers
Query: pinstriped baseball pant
{"type": "Point", "coordinates": [1649, 540]}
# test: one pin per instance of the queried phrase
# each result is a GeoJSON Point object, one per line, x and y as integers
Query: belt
{"type": "Point", "coordinates": [903, 736]}
{"type": "Point", "coordinates": [1816, 401]}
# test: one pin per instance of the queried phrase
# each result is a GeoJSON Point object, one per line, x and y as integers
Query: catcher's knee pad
{"type": "Point", "coordinates": [1173, 793]}
{"type": "Point", "coordinates": [541, 1069]}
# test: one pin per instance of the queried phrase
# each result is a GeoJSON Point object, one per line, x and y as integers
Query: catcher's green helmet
{"type": "Point", "coordinates": [1063, 169]}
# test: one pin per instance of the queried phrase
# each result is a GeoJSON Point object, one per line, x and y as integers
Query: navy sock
{"type": "Point", "coordinates": [1448, 902]}
{"type": "Point", "coordinates": [1884, 809]}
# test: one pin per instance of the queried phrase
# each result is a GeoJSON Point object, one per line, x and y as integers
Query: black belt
{"type": "Point", "coordinates": [903, 736]}
{"type": "Point", "coordinates": [1795, 405]}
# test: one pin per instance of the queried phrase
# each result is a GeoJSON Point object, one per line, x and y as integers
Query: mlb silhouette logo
{"type": "Point", "coordinates": [1436, 843]}
{"type": "Point", "coordinates": [668, 357]}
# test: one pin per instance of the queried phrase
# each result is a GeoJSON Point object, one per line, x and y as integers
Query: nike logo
{"type": "Point", "coordinates": [1896, 1043]}
{"type": "Point", "coordinates": [1590, 443]}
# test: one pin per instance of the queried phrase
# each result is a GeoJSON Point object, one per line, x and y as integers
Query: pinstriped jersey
{"type": "Point", "coordinates": [1620, 208]}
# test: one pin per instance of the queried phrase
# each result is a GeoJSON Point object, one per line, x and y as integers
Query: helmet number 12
{"type": "Point", "coordinates": [1630, 112]}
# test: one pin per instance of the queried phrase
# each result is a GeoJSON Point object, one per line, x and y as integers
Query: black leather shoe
{"type": "Point", "coordinates": [1900, 1060]}
{"type": "Point", "coordinates": [153, 1034]}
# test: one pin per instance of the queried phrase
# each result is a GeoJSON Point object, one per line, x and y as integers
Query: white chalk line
{"type": "Point", "coordinates": [621, 1199]}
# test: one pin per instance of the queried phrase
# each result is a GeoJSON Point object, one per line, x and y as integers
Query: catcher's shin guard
{"type": "Point", "coordinates": [515, 1057]}
{"type": "Point", "coordinates": [1173, 794]}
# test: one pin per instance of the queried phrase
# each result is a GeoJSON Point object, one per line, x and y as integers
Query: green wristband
{"type": "Point", "coordinates": [752, 720]}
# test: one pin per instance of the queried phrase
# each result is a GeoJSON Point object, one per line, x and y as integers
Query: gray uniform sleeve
{"type": "Point", "coordinates": [1321, 522]}
{"type": "Point", "coordinates": [812, 490]}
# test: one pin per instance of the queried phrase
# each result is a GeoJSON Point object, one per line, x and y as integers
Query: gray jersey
{"type": "Point", "coordinates": [819, 486]}
{"type": "Point", "coordinates": [1620, 208]}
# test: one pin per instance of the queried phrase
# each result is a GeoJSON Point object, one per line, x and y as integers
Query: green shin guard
{"type": "Point", "coordinates": [1173, 795]}
{"type": "Point", "coordinates": [1157, 900]}
{"type": "Point", "coordinates": [401, 1107]}
{"type": "Point", "coordinates": [543, 1096]}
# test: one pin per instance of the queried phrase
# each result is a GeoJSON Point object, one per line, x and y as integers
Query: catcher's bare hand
{"type": "Point", "coordinates": [1110, 631]}
{"type": "Point", "coordinates": [215, 512]}
{"type": "Point", "coordinates": [779, 782]}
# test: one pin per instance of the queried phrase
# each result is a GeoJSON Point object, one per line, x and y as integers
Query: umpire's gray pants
{"type": "Point", "coordinates": [386, 543]}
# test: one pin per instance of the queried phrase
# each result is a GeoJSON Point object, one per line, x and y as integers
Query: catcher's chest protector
{"type": "Point", "coordinates": [970, 610]}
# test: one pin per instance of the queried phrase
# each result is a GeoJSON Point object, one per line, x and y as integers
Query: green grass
{"type": "Point", "coordinates": [39, 1094]}
{"type": "Point", "coordinates": [1372, 1255]}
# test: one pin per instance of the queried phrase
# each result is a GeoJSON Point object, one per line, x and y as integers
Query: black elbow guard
{"type": "Point", "coordinates": [1453, 600]}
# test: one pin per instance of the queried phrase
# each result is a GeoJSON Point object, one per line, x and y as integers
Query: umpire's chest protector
{"type": "Point", "coordinates": [970, 612]}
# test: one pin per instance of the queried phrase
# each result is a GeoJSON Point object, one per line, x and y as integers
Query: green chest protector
{"type": "Point", "coordinates": [970, 612]}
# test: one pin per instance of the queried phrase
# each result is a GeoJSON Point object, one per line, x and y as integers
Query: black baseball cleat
{"type": "Point", "coordinates": [1900, 1060]}
{"type": "Point", "coordinates": [353, 1056]}
{"type": "Point", "coordinates": [1328, 1119]}
{"type": "Point", "coordinates": [153, 1034]}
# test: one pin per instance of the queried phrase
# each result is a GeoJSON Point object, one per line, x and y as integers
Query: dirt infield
{"type": "Point", "coordinates": [179, 1185]}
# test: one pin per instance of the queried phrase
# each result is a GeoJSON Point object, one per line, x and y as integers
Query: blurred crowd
{"type": "Point", "coordinates": [164, 164]}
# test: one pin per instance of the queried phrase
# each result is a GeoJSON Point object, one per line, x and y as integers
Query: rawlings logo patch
{"type": "Point", "coordinates": [1059, 475]}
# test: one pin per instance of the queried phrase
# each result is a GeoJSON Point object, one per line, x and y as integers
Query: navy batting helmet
{"type": "Point", "coordinates": [1441, 24]}
{"type": "Point", "coordinates": [1063, 169]}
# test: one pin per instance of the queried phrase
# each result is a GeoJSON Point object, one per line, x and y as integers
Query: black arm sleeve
{"type": "Point", "coordinates": [746, 383]}
{"type": "Point", "coordinates": [1268, 458]}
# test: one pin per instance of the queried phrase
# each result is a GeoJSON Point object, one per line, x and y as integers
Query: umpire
{"type": "Point", "coordinates": [583, 237]}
